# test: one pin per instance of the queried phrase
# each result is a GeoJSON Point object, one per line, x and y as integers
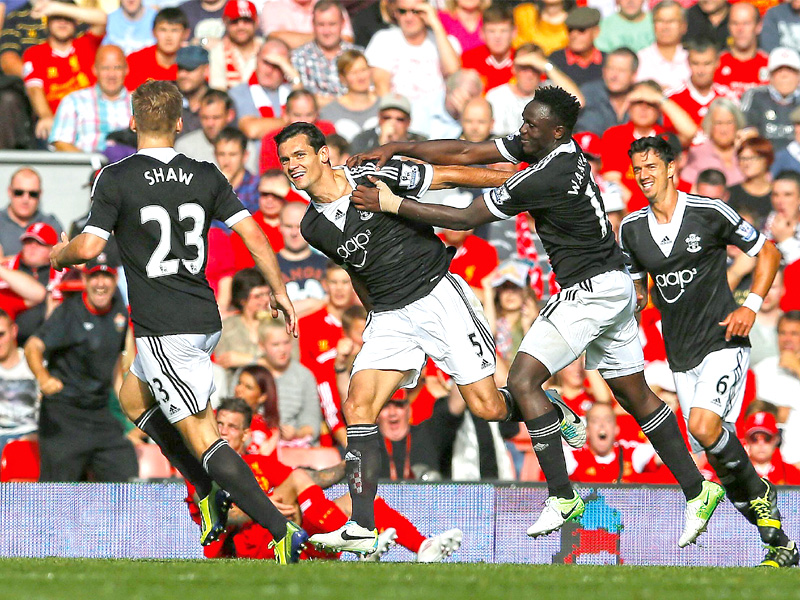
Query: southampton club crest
{"type": "Point", "coordinates": [693, 243]}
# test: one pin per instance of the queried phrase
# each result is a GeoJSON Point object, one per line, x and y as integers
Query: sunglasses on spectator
{"type": "Point", "coordinates": [760, 436]}
{"type": "Point", "coordinates": [579, 29]}
{"type": "Point", "coordinates": [32, 193]}
{"type": "Point", "coordinates": [405, 11]}
{"type": "Point", "coordinates": [241, 20]}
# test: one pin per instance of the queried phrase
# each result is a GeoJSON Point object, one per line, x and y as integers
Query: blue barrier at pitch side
{"type": "Point", "coordinates": [631, 525]}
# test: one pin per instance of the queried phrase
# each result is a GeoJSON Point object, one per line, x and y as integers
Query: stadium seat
{"type": "Point", "coordinates": [152, 464]}
{"type": "Point", "coordinates": [20, 461]}
{"type": "Point", "coordinates": [530, 468]}
{"type": "Point", "coordinates": [314, 458]}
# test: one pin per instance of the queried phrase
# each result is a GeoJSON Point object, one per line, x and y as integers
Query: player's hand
{"type": "Point", "coordinates": [50, 385]}
{"type": "Point", "coordinates": [366, 198]}
{"type": "Point", "coordinates": [781, 229]}
{"type": "Point", "coordinates": [380, 156]}
{"type": "Point", "coordinates": [640, 285]}
{"type": "Point", "coordinates": [43, 127]}
{"type": "Point", "coordinates": [56, 250]}
{"type": "Point", "coordinates": [738, 323]}
{"type": "Point", "coordinates": [281, 303]}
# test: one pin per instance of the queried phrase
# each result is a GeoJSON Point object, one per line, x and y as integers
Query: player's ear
{"type": "Point", "coordinates": [324, 155]}
{"type": "Point", "coordinates": [559, 131]}
{"type": "Point", "coordinates": [179, 125]}
{"type": "Point", "coordinates": [132, 124]}
{"type": "Point", "coordinates": [671, 168]}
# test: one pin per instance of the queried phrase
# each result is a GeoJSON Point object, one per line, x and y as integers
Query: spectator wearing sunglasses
{"type": "Point", "coordinates": [24, 192]}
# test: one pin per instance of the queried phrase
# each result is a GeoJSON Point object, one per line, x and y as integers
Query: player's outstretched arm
{"type": "Point", "coordinates": [640, 285]}
{"type": "Point", "coordinates": [83, 247]}
{"type": "Point", "coordinates": [267, 263]}
{"type": "Point", "coordinates": [437, 152]}
{"type": "Point", "coordinates": [382, 199]}
{"type": "Point", "coordinates": [471, 177]}
{"type": "Point", "coordinates": [740, 321]}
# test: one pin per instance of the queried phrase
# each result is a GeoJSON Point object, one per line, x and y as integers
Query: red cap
{"type": "Point", "coordinates": [590, 143]}
{"type": "Point", "coordinates": [240, 9]}
{"type": "Point", "coordinates": [42, 233]}
{"type": "Point", "coordinates": [760, 422]}
{"type": "Point", "coordinates": [100, 265]}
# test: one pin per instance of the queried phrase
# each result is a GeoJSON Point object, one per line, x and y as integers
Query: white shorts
{"type": "Point", "coordinates": [178, 370]}
{"type": "Point", "coordinates": [596, 315]}
{"type": "Point", "coordinates": [448, 325]}
{"type": "Point", "coordinates": [716, 384]}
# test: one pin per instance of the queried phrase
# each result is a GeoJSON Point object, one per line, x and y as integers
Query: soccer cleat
{"type": "Point", "coordinates": [572, 428]}
{"type": "Point", "coordinates": [288, 548]}
{"type": "Point", "coordinates": [386, 539]}
{"type": "Point", "coordinates": [437, 548]}
{"type": "Point", "coordinates": [350, 537]}
{"type": "Point", "coordinates": [781, 556]}
{"type": "Point", "coordinates": [557, 511]}
{"type": "Point", "coordinates": [699, 511]}
{"type": "Point", "coordinates": [213, 514]}
{"type": "Point", "coordinates": [767, 516]}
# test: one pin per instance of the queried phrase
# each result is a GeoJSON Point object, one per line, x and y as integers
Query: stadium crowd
{"type": "Point", "coordinates": [720, 81]}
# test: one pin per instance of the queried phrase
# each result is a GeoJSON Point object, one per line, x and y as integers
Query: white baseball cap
{"type": "Point", "coordinates": [783, 57]}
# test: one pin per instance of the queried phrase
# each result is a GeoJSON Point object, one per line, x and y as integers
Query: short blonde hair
{"type": "Point", "coordinates": [450, 5]}
{"type": "Point", "coordinates": [157, 106]}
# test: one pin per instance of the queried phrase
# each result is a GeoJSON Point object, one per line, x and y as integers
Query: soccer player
{"type": "Point", "coordinates": [399, 269]}
{"type": "Point", "coordinates": [680, 240]}
{"type": "Point", "coordinates": [593, 312]}
{"type": "Point", "coordinates": [159, 205]}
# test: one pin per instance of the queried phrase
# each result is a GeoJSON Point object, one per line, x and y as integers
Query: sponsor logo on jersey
{"type": "Point", "coordinates": [173, 410]}
{"type": "Point", "coordinates": [409, 176]}
{"type": "Point", "coordinates": [120, 321]}
{"type": "Point", "coordinates": [339, 214]}
{"type": "Point", "coordinates": [672, 285]}
{"type": "Point", "coordinates": [365, 215]}
{"type": "Point", "coordinates": [88, 326]}
{"type": "Point", "coordinates": [746, 231]}
{"type": "Point", "coordinates": [499, 195]}
{"type": "Point", "coordinates": [665, 240]}
{"type": "Point", "coordinates": [693, 243]}
{"type": "Point", "coordinates": [352, 246]}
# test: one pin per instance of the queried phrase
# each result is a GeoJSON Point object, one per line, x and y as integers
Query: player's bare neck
{"type": "Point", "coordinates": [331, 186]}
{"type": "Point", "coordinates": [154, 141]}
{"type": "Point", "coordinates": [664, 208]}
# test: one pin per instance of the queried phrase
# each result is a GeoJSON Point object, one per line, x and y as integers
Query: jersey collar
{"type": "Point", "coordinates": [165, 155]}
{"type": "Point", "coordinates": [667, 232]}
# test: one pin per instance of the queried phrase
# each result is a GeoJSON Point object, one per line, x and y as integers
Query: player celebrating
{"type": "Point", "coordinates": [593, 312]}
{"type": "Point", "coordinates": [400, 271]}
{"type": "Point", "coordinates": [680, 240]}
{"type": "Point", "coordinates": [159, 205]}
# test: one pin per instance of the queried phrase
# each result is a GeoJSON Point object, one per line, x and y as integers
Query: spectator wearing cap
{"type": "Point", "coordinates": [394, 119]}
{"type": "Point", "coordinates": [493, 59]}
{"type": "Point", "coordinates": [614, 195]}
{"type": "Point", "coordinates": [233, 60]}
{"type": "Point", "coordinates": [788, 159]}
{"type": "Point", "coordinates": [19, 392]}
{"type": "Point", "coordinates": [743, 64]}
{"type": "Point", "coordinates": [316, 61]}
{"type": "Point", "coordinates": [761, 442]}
{"type": "Point", "coordinates": [85, 117]}
{"type": "Point", "coordinates": [666, 60]}
{"type": "Point", "coordinates": [82, 342]}
{"type": "Point", "coordinates": [204, 18]}
{"type": "Point", "coordinates": [509, 305]}
{"type": "Point", "coordinates": [192, 80]}
{"type": "Point", "coordinates": [301, 106]}
{"type": "Point", "coordinates": [630, 27]}
{"type": "Point", "coordinates": [170, 29]}
{"type": "Point", "coordinates": [607, 98]}
{"type": "Point", "coordinates": [781, 27]}
{"type": "Point", "coordinates": [581, 61]}
{"type": "Point", "coordinates": [24, 196]}
{"type": "Point", "coordinates": [708, 21]}
{"type": "Point", "coordinates": [292, 21]}
{"type": "Point", "coordinates": [130, 26]}
{"type": "Point", "coordinates": [63, 63]}
{"type": "Point", "coordinates": [768, 108]}
{"type": "Point", "coordinates": [413, 58]}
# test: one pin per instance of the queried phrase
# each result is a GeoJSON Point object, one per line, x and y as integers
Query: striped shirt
{"type": "Point", "coordinates": [84, 118]}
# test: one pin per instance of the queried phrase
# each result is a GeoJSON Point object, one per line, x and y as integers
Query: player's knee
{"type": "Point", "coordinates": [356, 408]}
{"type": "Point", "coordinates": [704, 430]}
{"type": "Point", "coordinates": [489, 409]}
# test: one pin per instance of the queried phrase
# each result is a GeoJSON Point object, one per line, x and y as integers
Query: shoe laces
{"type": "Point", "coordinates": [762, 507]}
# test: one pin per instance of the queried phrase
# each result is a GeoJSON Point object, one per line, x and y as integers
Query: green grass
{"type": "Point", "coordinates": [85, 579]}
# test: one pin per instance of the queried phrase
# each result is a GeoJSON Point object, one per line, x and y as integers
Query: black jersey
{"type": "Point", "coordinates": [159, 204]}
{"type": "Point", "coordinates": [561, 195]}
{"type": "Point", "coordinates": [687, 260]}
{"type": "Point", "coordinates": [397, 260]}
{"type": "Point", "coordinates": [82, 347]}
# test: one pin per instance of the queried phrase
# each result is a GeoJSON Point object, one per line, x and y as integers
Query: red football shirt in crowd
{"type": "Point", "coordinates": [493, 73]}
{"type": "Point", "coordinates": [696, 104]}
{"type": "Point", "coordinates": [616, 142]}
{"type": "Point", "coordinates": [142, 65]}
{"type": "Point", "coordinates": [242, 258]}
{"type": "Point", "coordinates": [260, 434]}
{"type": "Point", "coordinates": [61, 73]}
{"type": "Point", "coordinates": [741, 75]}
{"type": "Point", "coordinates": [474, 260]}
{"type": "Point", "coordinates": [220, 258]}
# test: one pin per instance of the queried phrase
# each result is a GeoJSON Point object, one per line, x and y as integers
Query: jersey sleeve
{"type": "Point", "coordinates": [227, 206]}
{"type": "Point", "coordinates": [636, 270]}
{"type": "Point", "coordinates": [105, 207]}
{"type": "Point", "coordinates": [406, 178]}
{"type": "Point", "coordinates": [524, 191]}
{"type": "Point", "coordinates": [33, 70]}
{"type": "Point", "coordinates": [510, 147]}
{"type": "Point", "coordinates": [737, 231]}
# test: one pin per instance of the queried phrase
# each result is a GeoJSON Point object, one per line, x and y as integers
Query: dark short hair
{"type": "Point", "coordinates": [701, 45]}
{"type": "Point", "coordinates": [334, 140]}
{"type": "Point", "coordinates": [657, 144]}
{"type": "Point", "coordinates": [332, 266]}
{"type": "Point", "coordinates": [315, 137]}
{"type": "Point", "coordinates": [352, 314]}
{"type": "Point", "coordinates": [563, 105]}
{"type": "Point", "coordinates": [324, 5]}
{"type": "Point", "coordinates": [5, 315]}
{"type": "Point", "coordinates": [237, 405]}
{"type": "Point", "coordinates": [171, 15]}
{"type": "Point", "coordinates": [243, 283]}
{"type": "Point", "coordinates": [231, 134]}
{"type": "Point", "coordinates": [626, 52]}
{"type": "Point", "coordinates": [789, 315]}
{"type": "Point", "coordinates": [788, 175]}
{"type": "Point", "coordinates": [712, 177]}
{"type": "Point", "coordinates": [213, 95]}
{"type": "Point", "coordinates": [301, 93]}
{"type": "Point", "coordinates": [498, 12]}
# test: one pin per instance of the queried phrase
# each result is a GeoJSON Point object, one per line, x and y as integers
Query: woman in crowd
{"type": "Point", "coordinates": [543, 23]}
{"type": "Point", "coordinates": [720, 125]}
{"type": "Point", "coordinates": [357, 109]}
{"type": "Point", "coordinates": [256, 386]}
{"type": "Point", "coordinates": [755, 157]}
{"type": "Point", "coordinates": [462, 19]}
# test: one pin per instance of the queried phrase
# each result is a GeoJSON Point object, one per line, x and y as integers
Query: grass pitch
{"type": "Point", "coordinates": [85, 579]}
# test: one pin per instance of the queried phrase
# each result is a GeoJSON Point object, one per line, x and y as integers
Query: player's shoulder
{"type": "Point", "coordinates": [635, 216]}
{"type": "Point", "coordinates": [711, 208]}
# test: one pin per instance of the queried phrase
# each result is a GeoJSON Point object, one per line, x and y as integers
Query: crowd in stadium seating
{"type": "Point", "coordinates": [719, 80]}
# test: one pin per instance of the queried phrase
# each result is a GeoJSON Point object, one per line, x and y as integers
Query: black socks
{"type": "Point", "coordinates": [545, 432]}
{"type": "Point", "coordinates": [363, 465]}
